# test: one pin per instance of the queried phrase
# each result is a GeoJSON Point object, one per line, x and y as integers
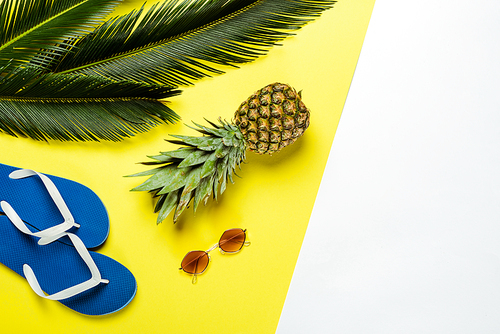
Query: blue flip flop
{"type": "Point", "coordinates": [85, 281]}
{"type": "Point", "coordinates": [46, 201]}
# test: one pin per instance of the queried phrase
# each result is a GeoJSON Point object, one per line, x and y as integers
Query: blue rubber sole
{"type": "Point", "coordinates": [34, 205]}
{"type": "Point", "coordinates": [59, 266]}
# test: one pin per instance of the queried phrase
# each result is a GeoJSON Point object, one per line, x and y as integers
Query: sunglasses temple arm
{"type": "Point", "coordinates": [194, 277]}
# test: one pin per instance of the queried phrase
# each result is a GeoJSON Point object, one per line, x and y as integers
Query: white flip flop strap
{"type": "Point", "coordinates": [80, 248]}
{"type": "Point", "coordinates": [17, 221]}
{"type": "Point", "coordinates": [55, 232]}
{"type": "Point", "coordinates": [76, 289]}
{"type": "Point", "coordinates": [45, 236]}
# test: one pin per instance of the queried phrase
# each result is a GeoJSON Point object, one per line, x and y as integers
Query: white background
{"type": "Point", "coordinates": [405, 233]}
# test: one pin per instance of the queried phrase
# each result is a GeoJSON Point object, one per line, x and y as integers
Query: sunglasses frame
{"type": "Point", "coordinates": [217, 245]}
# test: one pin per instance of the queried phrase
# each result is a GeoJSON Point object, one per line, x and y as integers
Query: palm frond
{"type": "Point", "coordinates": [79, 107]}
{"type": "Point", "coordinates": [42, 28]}
{"type": "Point", "coordinates": [176, 42]}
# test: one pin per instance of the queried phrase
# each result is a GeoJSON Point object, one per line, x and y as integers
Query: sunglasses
{"type": "Point", "coordinates": [231, 241]}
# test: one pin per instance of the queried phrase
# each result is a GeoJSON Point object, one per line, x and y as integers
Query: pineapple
{"type": "Point", "coordinates": [270, 119]}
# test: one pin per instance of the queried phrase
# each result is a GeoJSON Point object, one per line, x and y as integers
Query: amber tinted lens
{"type": "Point", "coordinates": [195, 262]}
{"type": "Point", "coordinates": [232, 240]}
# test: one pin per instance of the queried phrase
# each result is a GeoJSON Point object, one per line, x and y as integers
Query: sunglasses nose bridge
{"type": "Point", "coordinates": [212, 248]}
{"type": "Point", "coordinates": [221, 242]}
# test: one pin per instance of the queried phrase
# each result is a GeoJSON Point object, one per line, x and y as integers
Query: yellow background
{"type": "Point", "coordinates": [273, 199]}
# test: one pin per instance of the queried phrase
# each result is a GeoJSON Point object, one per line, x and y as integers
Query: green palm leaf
{"type": "Point", "coordinates": [176, 43]}
{"type": "Point", "coordinates": [41, 28]}
{"type": "Point", "coordinates": [78, 107]}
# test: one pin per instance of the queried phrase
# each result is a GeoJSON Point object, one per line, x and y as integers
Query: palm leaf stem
{"type": "Point", "coordinates": [40, 30]}
{"type": "Point", "coordinates": [79, 107]}
{"type": "Point", "coordinates": [176, 43]}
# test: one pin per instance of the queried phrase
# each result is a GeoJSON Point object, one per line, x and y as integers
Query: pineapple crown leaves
{"type": "Point", "coordinates": [196, 171]}
{"type": "Point", "coordinates": [79, 107]}
{"type": "Point", "coordinates": [176, 43]}
{"type": "Point", "coordinates": [39, 30]}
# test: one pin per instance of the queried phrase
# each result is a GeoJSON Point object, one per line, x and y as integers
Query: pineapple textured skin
{"type": "Point", "coordinates": [272, 118]}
